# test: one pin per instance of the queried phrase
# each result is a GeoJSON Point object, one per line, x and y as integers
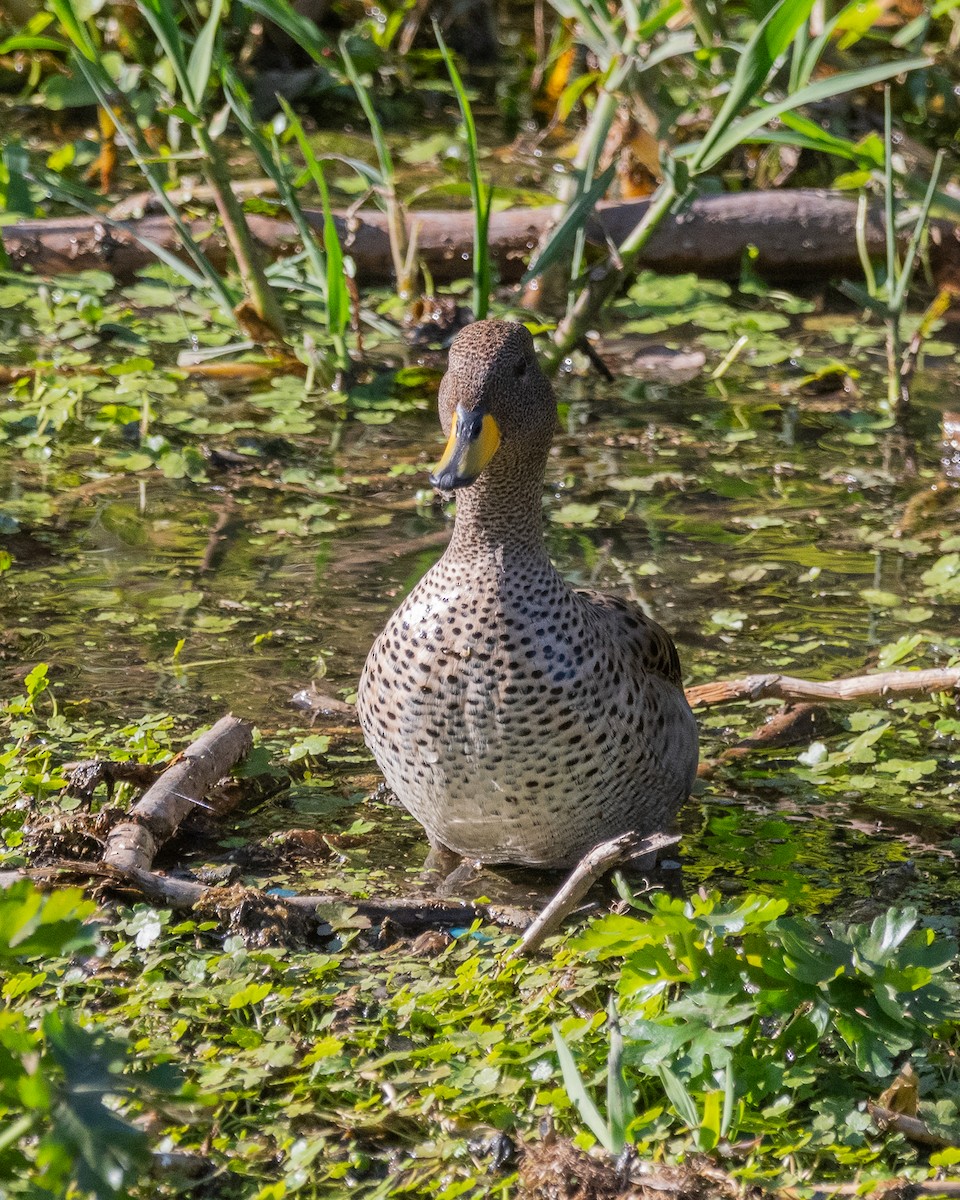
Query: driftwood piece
{"type": "Point", "coordinates": [855, 687]}
{"type": "Point", "coordinates": [584, 875]}
{"type": "Point", "coordinates": [801, 233]}
{"type": "Point", "coordinates": [132, 844]}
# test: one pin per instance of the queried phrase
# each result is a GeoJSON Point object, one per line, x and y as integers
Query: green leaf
{"type": "Point", "coordinates": [37, 924]}
{"type": "Point", "coordinates": [162, 19]}
{"type": "Point", "coordinates": [895, 652]}
{"type": "Point", "coordinates": [620, 1110]}
{"type": "Point", "coordinates": [201, 56]}
{"type": "Point", "coordinates": [578, 1093]}
{"type": "Point", "coordinates": [739, 131]}
{"type": "Point", "coordinates": [679, 1097]}
{"type": "Point", "coordinates": [77, 30]}
{"type": "Point", "coordinates": [562, 236]}
{"type": "Point", "coordinates": [251, 994]}
{"type": "Point", "coordinates": [757, 59]}
{"type": "Point", "coordinates": [303, 31]}
{"type": "Point", "coordinates": [25, 42]}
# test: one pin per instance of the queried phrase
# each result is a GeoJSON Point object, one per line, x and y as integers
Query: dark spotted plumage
{"type": "Point", "coordinates": [518, 720]}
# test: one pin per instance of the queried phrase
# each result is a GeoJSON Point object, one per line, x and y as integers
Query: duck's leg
{"type": "Point", "coordinates": [445, 872]}
{"type": "Point", "coordinates": [441, 860]}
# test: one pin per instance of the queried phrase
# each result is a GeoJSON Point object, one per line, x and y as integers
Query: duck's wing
{"type": "Point", "coordinates": [631, 628]}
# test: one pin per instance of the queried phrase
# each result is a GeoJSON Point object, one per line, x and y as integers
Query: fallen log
{"type": "Point", "coordinates": [799, 234]}
{"type": "Point", "coordinates": [132, 844]}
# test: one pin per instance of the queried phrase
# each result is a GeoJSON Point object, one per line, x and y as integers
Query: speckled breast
{"type": "Point", "coordinates": [514, 727]}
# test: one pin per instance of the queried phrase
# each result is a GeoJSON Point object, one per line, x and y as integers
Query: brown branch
{"type": "Point", "coordinates": [595, 862]}
{"type": "Point", "coordinates": [132, 844]}
{"type": "Point", "coordinates": [856, 687]}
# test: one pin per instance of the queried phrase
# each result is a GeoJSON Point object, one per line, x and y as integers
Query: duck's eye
{"type": "Point", "coordinates": [520, 368]}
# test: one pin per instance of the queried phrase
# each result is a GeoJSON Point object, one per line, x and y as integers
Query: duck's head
{"type": "Point", "coordinates": [494, 400]}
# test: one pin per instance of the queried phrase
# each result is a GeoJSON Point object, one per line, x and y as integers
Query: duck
{"type": "Point", "coordinates": [519, 720]}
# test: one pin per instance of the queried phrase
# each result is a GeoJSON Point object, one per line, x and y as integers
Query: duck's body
{"type": "Point", "coordinates": [518, 720]}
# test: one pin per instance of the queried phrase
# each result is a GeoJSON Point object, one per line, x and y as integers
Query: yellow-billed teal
{"type": "Point", "coordinates": [518, 720]}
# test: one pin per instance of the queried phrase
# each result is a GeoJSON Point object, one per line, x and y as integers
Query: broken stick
{"type": "Point", "coordinates": [133, 844]}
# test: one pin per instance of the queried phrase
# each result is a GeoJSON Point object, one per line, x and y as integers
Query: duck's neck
{"type": "Point", "coordinates": [502, 513]}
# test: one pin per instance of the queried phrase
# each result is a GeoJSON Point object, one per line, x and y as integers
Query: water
{"type": "Point", "coordinates": [762, 526]}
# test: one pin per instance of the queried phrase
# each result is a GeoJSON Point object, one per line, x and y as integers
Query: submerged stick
{"type": "Point", "coordinates": [855, 687]}
{"type": "Point", "coordinates": [132, 844]}
{"type": "Point", "coordinates": [588, 870]}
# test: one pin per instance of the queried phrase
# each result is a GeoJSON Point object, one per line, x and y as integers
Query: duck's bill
{"type": "Point", "coordinates": [474, 440]}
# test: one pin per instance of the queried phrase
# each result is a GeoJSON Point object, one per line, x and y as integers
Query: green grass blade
{"type": "Point", "coordinates": [481, 195]}
{"type": "Point", "coordinates": [679, 45]}
{"type": "Point", "coordinates": [863, 251]}
{"type": "Point", "coordinates": [889, 200]}
{"type": "Point", "coordinates": [102, 86]}
{"type": "Point", "coordinates": [337, 294]}
{"type": "Point", "coordinates": [316, 254]}
{"type": "Point", "coordinates": [596, 32]}
{"type": "Point", "coordinates": [654, 23]}
{"type": "Point", "coordinates": [161, 17]}
{"type": "Point", "coordinates": [910, 258]}
{"type": "Point", "coordinates": [384, 156]}
{"type": "Point", "coordinates": [396, 224]}
{"type": "Point", "coordinates": [273, 167]}
{"type": "Point", "coordinates": [619, 1097]}
{"type": "Point", "coordinates": [817, 45]}
{"type": "Point", "coordinates": [729, 1098]}
{"type": "Point", "coordinates": [29, 43]}
{"type": "Point", "coordinates": [562, 237]}
{"type": "Point", "coordinates": [373, 177]}
{"type": "Point", "coordinates": [200, 62]}
{"type": "Point", "coordinates": [680, 1098]}
{"type": "Point", "coordinates": [578, 1093]}
{"type": "Point", "coordinates": [823, 89]}
{"type": "Point", "coordinates": [770, 39]}
{"type": "Point", "coordinates": [191, 277]}
{"type": "Point", "coordinates": [75, 28]}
